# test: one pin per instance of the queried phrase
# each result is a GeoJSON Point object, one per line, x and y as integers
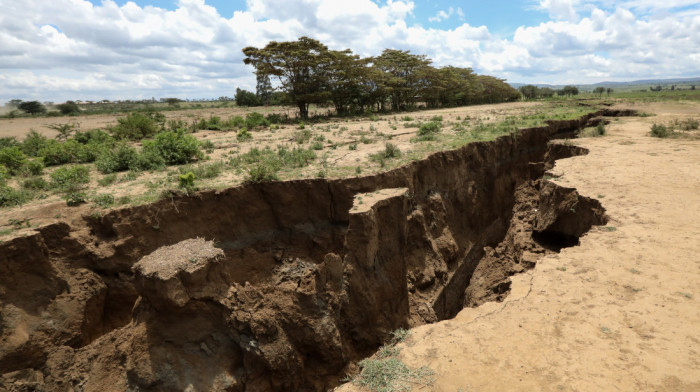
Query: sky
{"type": "Point", "coordinates": [58, 50]}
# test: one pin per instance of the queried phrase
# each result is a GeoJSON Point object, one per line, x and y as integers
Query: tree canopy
{"type": "Point", "coordinates": [310, 73]}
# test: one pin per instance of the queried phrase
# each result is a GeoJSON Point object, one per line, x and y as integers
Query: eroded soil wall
{"type": "Point", "coordinates": [307, 285]}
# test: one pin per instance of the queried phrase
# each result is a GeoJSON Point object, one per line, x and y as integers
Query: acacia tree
{"type": "Point", "coordinates": [401, 76]}
{"type": "Point", "coordinates": [301, 67]}
{"type": "Point", "coordinates": [599, 91]}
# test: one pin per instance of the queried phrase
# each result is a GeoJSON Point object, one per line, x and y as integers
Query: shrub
{"type": "Point", "coordinates": [135, 126]}
{"type": "Point", "coordinates": [4, 174]}
{"type": "Point", "coordinates": [33, 168]}
{"type": "Point", "coordinates": [436, 118]}
{"type": "Point", "coordinates": [104, 200]}
{"type": "Point", "coordinates": [74, 198]}
{"type": "Point", "coordinates": [70, 151]}
{"type": "Point", "coordinates": [8, 142]}
{"type": "Point", "coordinates": [302, 136]}
{"type": "Point", "coordinates": [428, 131]}
{"type": "Point", "coordinates": [205, 171]}
{"type": "Point", "coordinates": [147, 160]}
{"type": "Point", "coordinates": [108, 180]}
{"type": "Point", "coordinates": [33, 142]}
{"type": "Point", "coordinates": [32, 107]}
{"type": "Point", "coordinates": [175, 147]}
{"type": "Point", "coordinates": [275, 118]}
{"type": "Point", "coordinates": [255, 119]}
{"type": "Point", "coordinates": [689, 124]}
{"type": "Point", "coordinates": [186, 181]}
{"type": "Point", "coordinates": [95, 136]}
{"type": "Point", "coordinates": [600, 128]}
{"type": "Point", "coordinates": [35, 183]}
{"type": "Point", "coordinates": [13, 158]}
{"type": "Point", "coordinates": [12, 197]}
{"type": "Point", "coordinates": [207, 146]}
{"type": "Point", "coordinates": [70, 179]}
{"type": "Point", "coordinates": [235, 122]}
{"type": "Point", "coordinates": [243, 135]}
{"type": "Point", "coordinates": [246, 98]}
{"type": "Point", "coordinates": [68, 108]}
{"type": "Point", "coordinates": [262, 172]}
{"type": "Point", "coordinates": [659, 130]}
{"type": "Point", "coordinates": [296, 157]}
{"type": "Point", "coordinates": [120, 158]}
{"type": "Point", "coordinates": [317, 146]}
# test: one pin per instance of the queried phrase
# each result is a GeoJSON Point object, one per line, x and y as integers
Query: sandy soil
{"type": "Point", "coordinates": [617, 313]}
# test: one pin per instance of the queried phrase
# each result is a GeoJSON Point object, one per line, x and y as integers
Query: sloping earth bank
{"type": "Point", "coordinates": [303, 277]}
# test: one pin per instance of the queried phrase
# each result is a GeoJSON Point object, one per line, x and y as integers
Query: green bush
{"type": "Point", "coordinates": [235, 122]}
{"type": "Point", "coordinates": [296, 157]}
{"type": "Point", "coordinates": [33, 167]}
{"type": "Point", "coordinates": [135, 126]}
{"type": "Point", "coordinates": [147, 160]}
{"type": "Point", "coordinates": [104, 200]}
{"type": "Point", "coordinates": [246, 98]}
{"type": "Point", "coordinates": [254, 120]}
{"type": "Point", "coordinates": [243, 135]}
{"type": "Point", "coordinates": [70, 179]}
{"type": "Point", "coordinates": [689, 124]}
{"type": "Point", "coordinates": [262, 172]}
{"type": "Point", "coordinates": [429, 128]}
{"type": "Point", "coordinates": [120, 158]}
{"type": "Point", "coordinates": [93, 136]}
{"type": "Point", "coordinates": [36, 184]}
{"type": "Point", "coordinates": [68, 108]}
{"type": "Point", "coordinates": [659, 130]}
{"type": "Point", "coordinates": [108, 180]}
{"type": "Point", "coordinates": [205, 171]}
{"type": "Point", "coordinates": [12, 197]}
{"type": "Point", "coordinates": [186, 181]}
{"type": "Point", "coordinates": [70, 151]}
{"type": "Point", "coordinates": [8, 142]}
{"type": "Point", "coordinates": [302, 136]}
{"type": "Point", "coordinates": [74, 198]}
{"type": "Point", "coordinates": [4, 174]}
{"type": "Point", "coordinates": [175, 147]}
{"type": "Point", "coordinates": [13, 158]}
{"type": "Point", "coordinates": [33, 142]}
{"type": "Point", "coordinates": [600, 128]}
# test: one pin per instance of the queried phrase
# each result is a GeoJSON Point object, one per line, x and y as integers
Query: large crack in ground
{"type": "Point", "coordinates": [300, 279]}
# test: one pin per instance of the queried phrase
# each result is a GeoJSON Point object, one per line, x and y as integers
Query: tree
{"type": "Point", "coordinates": [610, 91]}
{"type": "Point", "coordinates": [599, 91]}
{"type": "Point", "coordinates": [32, 107]}
{"type": "Point", "coordinates": [13, 103]}
{"type": "Point", "coordinates": [172, 101]}
{"type": "Point", "coordinates": [68, 108]}
{"type": "Point", "coordinates": [529, 91]}
{"type": "Point", "coordinates": [301, 67]}
{"type": "Point", "coordinates": [263, 89]}
{"type": "Point", "coordinates": [570, 90]}
{"type": "Point", "coordinates": [246, 98]}
{"type": "Point", "coordinates": [401, 73]}
{"type": "Point", "coordinates": [546, 92]}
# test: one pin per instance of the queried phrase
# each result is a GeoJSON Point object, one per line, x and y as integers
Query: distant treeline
{"type": "Point", "coordinates": [309, 73]}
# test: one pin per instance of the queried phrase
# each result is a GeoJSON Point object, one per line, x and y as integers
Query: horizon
{"type": "Point", "coordinates": [191, 49]}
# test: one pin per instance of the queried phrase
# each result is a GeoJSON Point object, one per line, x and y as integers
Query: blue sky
{"type": "Point", "coordinates": [114, 49]}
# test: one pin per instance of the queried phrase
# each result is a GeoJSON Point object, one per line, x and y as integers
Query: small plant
{"type": "Point", "coordinates": [107, 180]}
{"type": "Point", "coordinates": [36, 184]}
{"type": "Point", "coordinates": [659, 130]}
{"type": "Point", "coordinates": [302, 136]}
{"type": "Point", "coordinates": [428, 131]}
{"type": "Point", "coordinates": [135, 126]}
{"type": "Point", "coordinates": [70, 179]}
{"type": "Point", "coordinates": [243, 135]}
{"type": "Point", "coordinates": [105, 200]}
{"type": "Point", "coordinates": [317, 146]}
{"type": "Point", "coordinates": [352, 146]}
{"type": "Point", "coordinates": [75, 198]}
{"type": "Point", "coordinates": [600, 128]}
{"type": "Point", "coordinates": [262, 172]}
{"type": "Point", "coordinates": [186, 181]}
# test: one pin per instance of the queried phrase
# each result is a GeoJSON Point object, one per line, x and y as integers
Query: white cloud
{"type": "Point", "coordinates": [70, 49]}
{"type": "Point", "coordinates": [560, 9]}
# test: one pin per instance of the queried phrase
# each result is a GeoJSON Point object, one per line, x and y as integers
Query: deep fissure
{"type": "Point", "coordinates": [308, 283]}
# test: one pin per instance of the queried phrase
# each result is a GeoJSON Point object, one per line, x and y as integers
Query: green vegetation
{"type": "Point", "coordinates": [385, 372]}
{"type": "Point", "coordinates": [310, 73]}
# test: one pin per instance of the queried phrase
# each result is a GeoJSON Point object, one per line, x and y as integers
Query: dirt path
{"type": "Point", "coordinates": [618, 313]}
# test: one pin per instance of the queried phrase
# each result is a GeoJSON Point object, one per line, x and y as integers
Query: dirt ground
{"type": "Point", "coordinates": [617, 313]}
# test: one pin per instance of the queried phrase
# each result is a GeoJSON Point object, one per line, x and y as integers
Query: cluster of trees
{"type": "Point", "coordinates": [534, 92]}
{"type": "Point", "coordinates": [599, 91]}
{"type": "Point", "coordinates": [309, 73]}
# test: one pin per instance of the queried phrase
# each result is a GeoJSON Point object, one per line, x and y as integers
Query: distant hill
{"type": "Point", "coordinates": [632, 85]}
